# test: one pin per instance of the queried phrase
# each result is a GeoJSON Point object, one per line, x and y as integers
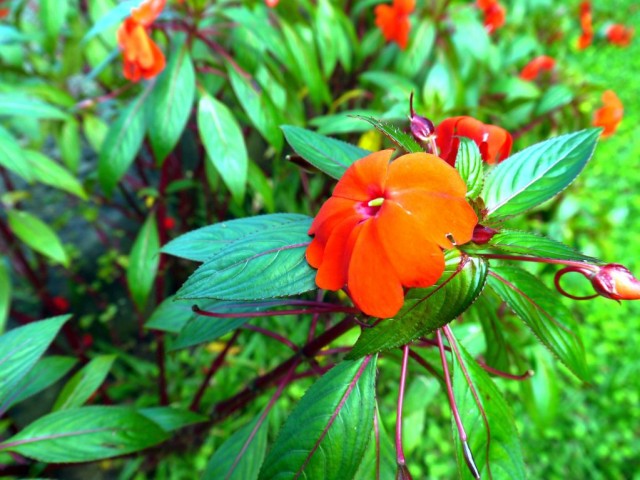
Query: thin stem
{"type": "Point", "coordinates": [403, 378]}
{"type": "Point", "coordinates": [552, 261]}
{"type": "Point", "coordinates": [275, 313]}
{"type": "Point", "coordinates": [376, 432]}
{"type": "Point", "coordinates": [421, 361]}
{"type": "Point", "coordinates": [215, 366]}
{"type": "Point", "coordinates": [500, 373]}
{"type": "Point", "coordinates": [270, 334]}
{"type": "Point", "coordinates": [160, 360]}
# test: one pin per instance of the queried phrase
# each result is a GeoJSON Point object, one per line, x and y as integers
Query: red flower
{"type": "Point", "coordinates": [393, 20]}
{"type": "Point", "coordinates": [4, 12]}
{"type": "Point", "coordinates": [494, 14]}
{"type": "Point", "coordinates": [619, 35]}
{"type": "Point", "coordinates": [272, 3]}
{"type": "Point", "coordinates": [142, 56]}
{"type": "Point", "coordinates": [616, 282]}
{"type": "Point", "coordinates": [609, 115]}
{"type": "Point", "coordinates": [494, 142]}
{"type": "Point", "coordinates": [586, 23]}
{"type": "Point", "coordinates": [532, 70]}
{"type": "Point", "coordinates": [385, 227]}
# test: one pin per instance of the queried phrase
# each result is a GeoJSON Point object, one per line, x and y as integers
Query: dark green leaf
{"type": "Point", "coordinates": [122, 143]}
{"type": "Point", "coordinates": [329, 155]}
{"type": "Point", "coordinates": [402, 140]}
{"type": "Point", "coordinates": [240, 457]}
{"type": "Point", "coordinates": [38, 235]}
{"type": "Point", "coordinates": [5, 294]}
{"type": "Point", "coordinates": [21, 348]}
{"type": "Point", "coordinates": [85, 434]}
{"type": "Point", "coordinates": [537, 173]}
{"type": "Point", "coordinates": [270, 263]}
{"type": "Point", "coordinates": [469, 165]}
{"type": "Point", "coordinates": [427, 309]}
{"type": "Point", "coordinates": [258, 106]}
{"type": "Point", "coordinates": [496, 446]}
{"type": "Point", "coordinates": [387, 465]}
{"type": "Point", "coordinates": [544, 314]}
{"type": "Point", "coordinates": [224, 143]}
{"type": "Point", "coordinates": [201, 244]}
{"type": "Point", "coordinates": [45, 373]}
{"type": "Point", "coordinates": [143, 262]}
{"type": "Point", "coordinates": [326, 435]}
{"type": "Point", "coordinates": [171, 419]}
{"type": "Point", "coordinates": [170, 103]}
{"type": "Point", "coordinates": [516, 242]}
{"type": "Point", "coordinates": [84, 383]}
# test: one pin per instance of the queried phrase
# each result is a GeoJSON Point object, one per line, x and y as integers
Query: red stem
{"type": "Point", "coordinates": [403, 378]}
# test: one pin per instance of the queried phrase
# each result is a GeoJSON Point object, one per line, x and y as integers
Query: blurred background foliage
{"type": "Point", "coordinates": [312, 65]}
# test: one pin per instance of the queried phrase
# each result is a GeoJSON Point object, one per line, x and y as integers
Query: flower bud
{"type": "Point", "coordinates": [422, 128]}
{"type": "Point", "coordinates": [615, 281]}
{"type": "Point", "coordinates": [482, 234]}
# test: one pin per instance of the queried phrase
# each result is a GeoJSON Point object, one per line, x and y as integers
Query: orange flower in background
{"type": "Point", "coordinates": [385, 227]}
{"type": "Point", "coordinates": [393, 20]}
{"type": "Point", "coordinates": [494, 142]}
{"type": "Point", "coordinates": [535, 67]}
{"type": "Point", "coordinates": [610, 114]}
{"type": "Point", "coordinates": [586, 23]}
{"type": "Point", "coordinates": [142, 56]}
{"type": "Point", "coordinates": [494, 14]}
{"type": "Point", "coordinates": [272, 3]}
{"type": "Point", "coordinates": [619, 35]}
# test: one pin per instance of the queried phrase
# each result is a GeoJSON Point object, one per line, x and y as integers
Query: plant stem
{"type": "Point", "coordinates": [160, 360]}
{"type": "Point", "coordinates": [552, 261]}
{"type": "Point", "coordinates": [403, 378]}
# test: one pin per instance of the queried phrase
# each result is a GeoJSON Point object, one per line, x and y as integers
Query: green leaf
{"type": "Point", "coordinates": [84, 383]}
{"type": "Point", "coordinates": [537, 173]}
{"type": "Point", "coordinates": [51, 173]}
{"type": "Point", "coordinates": [427, 309]}
{"type": "Point", "coordinates": [329, 155]}
{"type": "Point", "coordinates": [21, 348]}
{"type": "Point", "coordinates": [384, 447]}
{"type": "Point", "coordinates": [37, 235]}
{"type": "Point", "coordinates": [113, 17]}
{"type": "Point", "coordinates": [70, 145]}
{"type": "Point", "coordinates": [327, 433]}
{"type": "Point", "coordinates": [45, 373]}
{"type": "Point", "coordinates": [555, 97]}
{"type": "Point", "coordinates": [170, 103]}
{"type": "Point", "coordinates": [201, 244]}
{"type": "Point", "coordinates": [52, 15]}
{"type": "Point", "coordinates": [224, 143]}
{"type": "Point", "coordinates": [12, 156]}
{"type": "Point", "coordinates": [496, 447]}
{"type": "Point", "coordinates": [9, 35]}
{"type": "Point", "coordinates": [171, 419]}
{"type": "Point", "coordinates": [516, 242]}
{"type": "Point", "coordinates": [258, 106]}
{"type": "Point", "coordinates": [5, 294]}
{"type": "Point", "coordinates": [411, 62]}
{"type": "Point", "coordinates": [18, 105]}
{"type": "Point", "coordinates": [544, 313]}
{"type": "Point", "coordinates": [485, 312]}
{"type": "Point", "coordinates": [469, 166]}
{"type": "Point", "coordinates": [401, 139]}
{"type": "Point", "coordinates": [85, 434]}
{"type": "Point", "coordinates": [241, 455]}
{"type": "Point", "coordinates": [143, 262]}
{"type": "Point", "coordinates": [122, 143]}
{"type": "Point", "coordinates": [270, 263]}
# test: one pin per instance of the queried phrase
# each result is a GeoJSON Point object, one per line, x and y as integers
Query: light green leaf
{"type": "Point", "coordinates": [5, 294]}
{"type": "Point", "coordinates": [171, 419]}
{"type": "Point", "coordinates": [113, 17]}
{"type": "Point", "coordinates": [52, 15]}
{"type": "Point", "coordinates": [329, 155]}
{"type": "Point", "coordinates": [21, 348]}
{"type": "Point", "coordinates": [241, 455]}
{"type": "Point", "coordinates": [326, 435]}
{"type": "Point", "coordinates": [469, 165]}
{"type": "Point", "coordinates": [12, 156]}
{"type": "Point", "coordinates": [84, 383]}
{"type": "Point", "coordinates": [51, 173]}
{"type": "Point", "coordinates": [543, 312]}
{"type": "Point", "coordinates": [537, 173]}
{"type": "Point", "coordinates": [37, 235]}
{"type": "Point", "coordinates": [70, 145]}
{"type": "Point", "coordinates": [427, 309]}
{"type": "Point", "coordinates": [143, 262]}
{"type": "Point", "coordinates": [170, 103]}
{"type": "Point", "coordinates": [85, 434]}
{"type": "Point", "coordinates": [224, 143]}
{"type": "Point", "coordinates": [18, 105]}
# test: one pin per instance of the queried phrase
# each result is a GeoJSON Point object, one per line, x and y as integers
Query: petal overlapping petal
{"type": "Point", "coordinates": [366, 178]}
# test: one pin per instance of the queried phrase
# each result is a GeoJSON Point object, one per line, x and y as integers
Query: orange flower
{"type": "Point", "coordinates": [4, 12]}
{"type": "Point", "coordinates": [494, 14]}
{"type": "Point", "coordinates": [586, 23]}
{"type": "Point", "coordinates": [393, 20]}
{"type": "Point", "coordinates": [272, 3]}
{"type": "Point", "coordinates": [532, 70]}
{"type": "Point", "coordinates": [494, 142]}
{"type": "Point", "coordinates": [142, 56]}
{"type": "Point", "coordinates": [385, 227]}
{"type": "Point", "coordinates": [619, 35]}
{"type": "Point", "coordinates": [609, 115]}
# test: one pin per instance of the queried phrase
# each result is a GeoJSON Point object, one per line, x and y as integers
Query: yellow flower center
{"type": "Point", "coordinates": [376, 202]}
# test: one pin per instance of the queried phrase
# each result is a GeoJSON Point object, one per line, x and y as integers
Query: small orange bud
{"type": "Point", "coordinates": [615, 281]}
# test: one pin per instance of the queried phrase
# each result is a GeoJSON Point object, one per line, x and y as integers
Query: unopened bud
{"type": "Point", "coordinates": [482, 234]}
{"type": "Point", "coordinates": [615, 281]}
{"type": "Point", "coordinates": [421, 128]}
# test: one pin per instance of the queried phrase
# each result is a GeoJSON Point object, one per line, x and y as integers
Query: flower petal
{"type": "Point", "coordinates": [424, 172]}
{"type": "Point", "coordinates": [373, 284]}
{"type": "Point", "coordinates": [365, 179]}
{"type": "Point", "coordinates": [332, 273]}
{"type": "Point", "coordinates": [417, 260]}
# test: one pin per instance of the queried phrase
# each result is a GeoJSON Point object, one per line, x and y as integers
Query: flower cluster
{"type": "Point", "coordinates": [141, 55]}
{"type": "Point", "coordinates": [616, 34]}
{"type": "Point", "coordinates": [393, 21]}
